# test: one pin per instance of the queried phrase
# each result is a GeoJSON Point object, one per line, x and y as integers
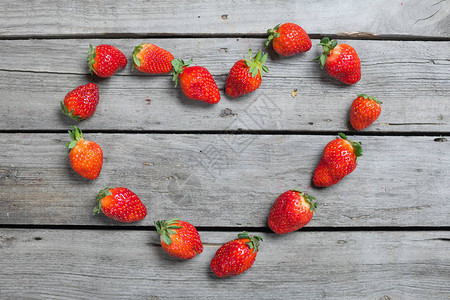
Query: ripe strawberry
{"type": "Point", "coordinates": [120, 204]}
{"type": "Point", "coordinates": [364, 111]}
{"type": "Point", "coordinates": [340, 61]}
{"type": "Point", "coordinates": [105, 60]}
{"type": "Point", "coordinates": [289, 39]}
{"type": "Point", "coordinates": [149, 58]}
{"type": "Point", "coordinates": [81, 102]}
{"type": "Point", "coordinates": [339, 159]}
{"type": "Point", "coordinates": [86, 157]}
{"type": "Point", "coordinates": [196, 82]}
{"type": "Point", "coordinates": [179, 239]}
{"type": "Point", "coordinates": [291, 211]}
{"type": "Point", "coordinates": [245, 76]}
{"type": "Point", "coordinates": [236, 256]}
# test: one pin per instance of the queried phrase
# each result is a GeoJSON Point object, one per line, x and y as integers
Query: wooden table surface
{"type": "Point", "coordinates": [381, 233]}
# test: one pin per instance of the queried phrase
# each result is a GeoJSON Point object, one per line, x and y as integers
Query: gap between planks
{"type": "Point", "coordinates": [130, 227]}
{"type": "Point", "coordinates": [344, 35]}
{"type": "Point", "coordinates": [241, 132]}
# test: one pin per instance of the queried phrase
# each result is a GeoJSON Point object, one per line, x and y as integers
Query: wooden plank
{"type": "Point", "coordinates": [404, 75]}
{"type": "Point", "coordinates": [371, 18]}
{"type": "Point", "coordinates": [62, 264]}
{"type": "Point", "coordinates": [231, 179]}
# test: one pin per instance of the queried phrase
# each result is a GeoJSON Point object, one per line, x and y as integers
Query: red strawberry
{"type": "Point", "coordinates": [86, 157]}
{"type": "Point", "coordinates": [196, 82]}
{"type": "Point", "coordinates": [120, 204]}
{"type": "Point", "coordinates": [179, 239]}
{"type": "Point", "coordinates": [339, 159]}
{"type": "Point", "coordinates": [288, 39]}
{"type": "Point", "coordinates": [105, 60]}
{"type": "Point", "coordinates": [236, 256]}
{"type": "Point", "coordinates": [291, 211]}
{"type": "Point", "coordinates": [245, 75]}
{"type": "Point", "coordinates": [364, 111]}
{"type": "Point", "coordinates": [149, 58]}
{"type": "Point", "coordinates": [81, 102]}
{"type": "Point", "coordinates": [340, 61]}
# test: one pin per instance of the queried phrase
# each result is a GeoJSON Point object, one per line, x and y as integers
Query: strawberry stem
{"type": "Point", "coordinates": [308, 198]}
{"type": "Point", "coordinates": [165, 229]}
{"type": "Point", "coordinates": [66, 111]}
{"type": "Point", "coordinates": [136, 51]}
{"type": "Point", "coordinates": [75, 136]}
{"type": "Point", "coordinates": [327, 46]}
{"type": "Point", "coordinates": [254, 240]}
{"type": "Point", "coordinates": [370, 97]}
{"type": "Point", "coordinates": [256, 63]}
{"type": "Point", "coordinates": [102, 194]}
{"type": "Point", "coordinates": [178, 67]}
{"type": "Point", "coordinates": [273, 33]}
{"type": "Point", "coordinates": [91, 58]}
{"type": "Point", "coordinates": [357, 146]}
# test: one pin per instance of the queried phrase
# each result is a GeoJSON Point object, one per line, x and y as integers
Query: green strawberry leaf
{"type": "Point", "coordinates": [166, 228]}
{"type": "Point", "coordinates": [101, 194]}
{"type": "Point", "coordinates": [272, 33]}
{"type": "Point", "coordinates": [178, 67]}
{"type": "Point", "coordinates": [370, 97]}
{"type": "Point", "coordinates": [91, 59]}
{"type": "Point", "coordinates": [136, 51]}
{"type": "Point", "coordinates": [75, 136]}
{"type": "Point", "coordinates": [166, 238]}
{"type": "Point", "coordinates": [327, 46]}
{"type": "Point", "coordinates": [256, 63]}
{"type": "Point", "coordinates": [323, 60]}
{"type": "Point", "coordinates": [357, 146]}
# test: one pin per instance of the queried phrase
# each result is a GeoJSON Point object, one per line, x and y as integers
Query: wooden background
{"type": "Point", "coordinates": [382, 233]}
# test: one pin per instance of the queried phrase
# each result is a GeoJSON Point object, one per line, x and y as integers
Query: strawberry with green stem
{"type": "Point", "coordinates": [364, 111]}
{"type": "Point", "coordinates": [289, 39]}
{"type": "Point", "coordinates": [105, 60]}
{"type": "Point", "coordinates": [340, 60]}
{"type": "Point", "coordinates": [86, 157]}
{"type": "Point", "coordinates": [81, 103]}
{"type": "Point", "coordinates": [291, 211]}
{"type": "Point", "coordinates": [179, 239]}
{"type": "Point", "coordinates": [236, 256]}
{"type": "Point", "coordinates": [196, 82]}
{"type": "Point", "coordinates": [149, 58]}
{"type": "Point", "coordinates": [339, 159]}
{"type": "Point", "coordinates": [120, 204]}
{"type": "Point", "coordinates": [246, 75]}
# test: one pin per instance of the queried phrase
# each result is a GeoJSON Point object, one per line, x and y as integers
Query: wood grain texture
{"type": "Point", "coordinates": [225, 180]}
{"type": "Point", "coordinates": [36, 75]}
{"type": "Point", "coordinates": [61, 264]}
{"type": "Point", "coordinates": [428, 18]}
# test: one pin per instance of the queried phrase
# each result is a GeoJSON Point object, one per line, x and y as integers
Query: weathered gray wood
{"type": "Point", "coordinates": [406, 76]}
{"type": "Point", "coordinates": [225, 180]}
{"type": "Point", "coordinates": [61, 264]}
{"type": "Point", "coordinates": [371, 18]}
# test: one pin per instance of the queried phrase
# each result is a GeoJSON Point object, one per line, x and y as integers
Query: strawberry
{"type": "Point", "coordinates": [340, 61]}
{"type": "Point", "coordinates": [364, 111]}
{"type": "Point", "coordinates": [149, 58]}
{"type": "Point", "coordinates": [339, 159]}
{"type": "Point", "coordinates": [86, 157]}
{"type": "Point", "coordinates": [288, 39]}
{"type": "Point", "coordinates": [81, 102]}
{"type": "Point", "coordinates": [291, 211]}
{"type": "Point", "coordinates": [196, 82]}
{"type": "Point", "coordinates": [120, 204]}
{"type": "Point", "coordinates": [105, 60]}
{"type": "Point", "coordinates": [236, 256]}
{"type": "Point", "coordinates": [179, 239]}
{"type": "Point", "coordinates": [245, 75]}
